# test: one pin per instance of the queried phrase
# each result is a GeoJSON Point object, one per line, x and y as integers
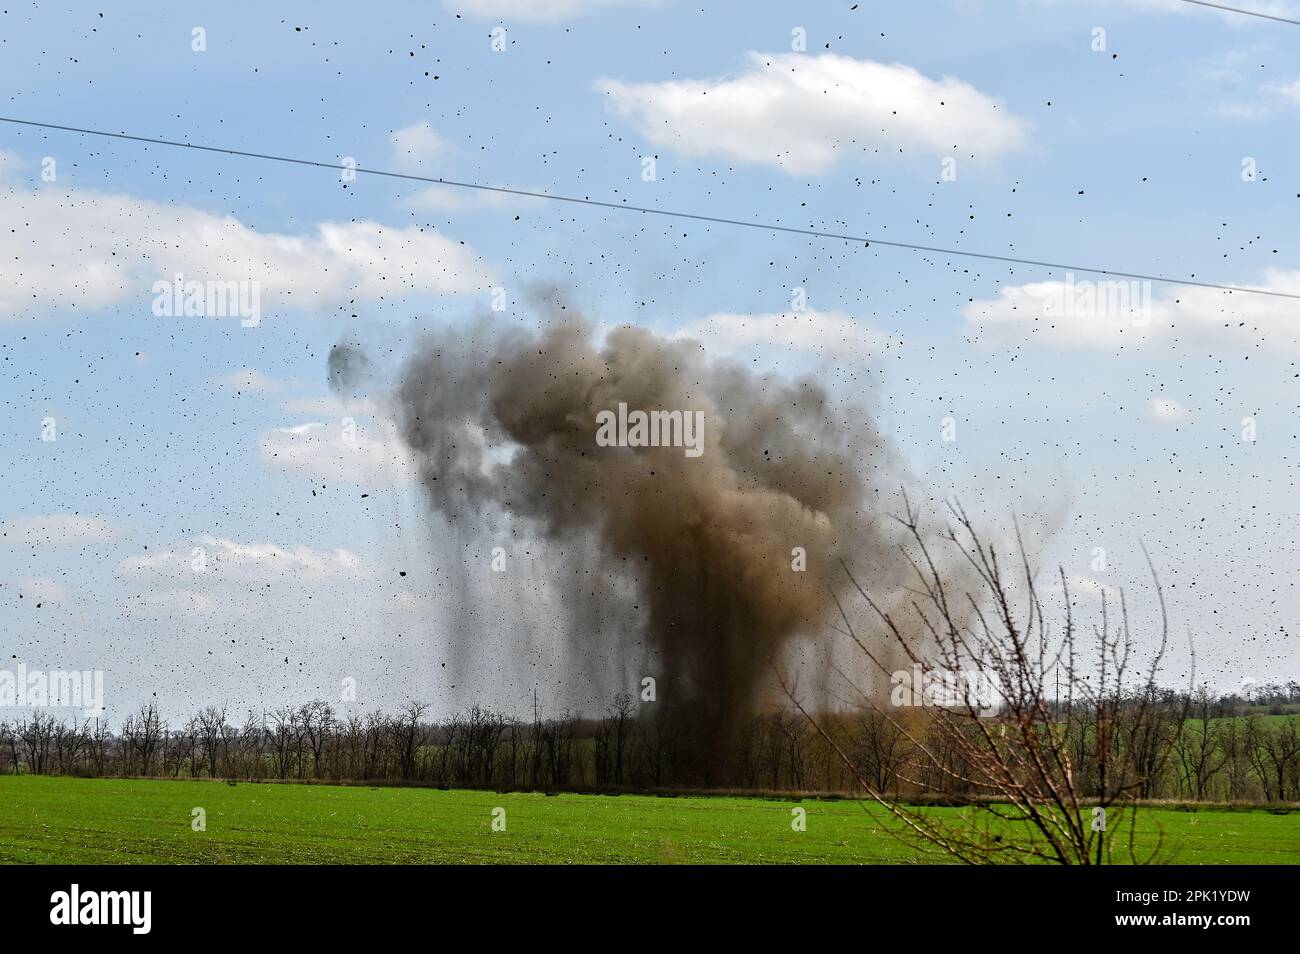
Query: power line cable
{"type": "Point", "coordinates": [1244, 12]}
{"type": "Point", "coordinates": [650, 210]}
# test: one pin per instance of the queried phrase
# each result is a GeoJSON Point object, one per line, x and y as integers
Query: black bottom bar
{"type": "Point", "coordinates": [318, 904]}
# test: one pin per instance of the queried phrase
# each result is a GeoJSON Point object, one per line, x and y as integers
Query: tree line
{"type": "Point", "coordinates": [1185, 746]}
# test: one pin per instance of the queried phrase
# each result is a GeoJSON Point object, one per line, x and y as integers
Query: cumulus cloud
{"type": "Point", "coordinates": [804, 113]}
{"type": "Point", "coordinates": [249, 381]}
{"type": "Point", "coordinates": [419, 149]}
{"type": "Point", "coordinates": [1167, 410]}
{"type": "Point", "coordinates": [59, 529]}
{"type": "Point", "coordinates": [341, 451]}
{"type": "Point", "coordinates": [40, 589]}
{"type": "Point", "coordinates": [332, 405]}
{"type": "Point", "coordinates": [1287, 91]}
{"type": "Point", "coordinates": [417, 144]}
{"type": "Point", "coordinates": [829, 334]}
{"type": "Point", "coordinates": [1113, 314]}
{"type": "Point", "coordinates": [10, 165]}
{"type": "Point", "coordinates": [1265, 99]}
{"type": "Point", "coordinates": [1087, 588]}
{"type": "Point", "coordinates": [225, 560]}
{"type": "Point", "coordinates": [85, 249]}
{"type": "Point", "coordinates": [539, 10]}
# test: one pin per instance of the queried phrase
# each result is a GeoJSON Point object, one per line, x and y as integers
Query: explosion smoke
{"type": "Point", "coordinates": [506, 420]}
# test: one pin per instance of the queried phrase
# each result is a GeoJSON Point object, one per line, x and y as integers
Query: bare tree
{"type": "Point", "coordinates": [317, 724]}
{"type": "Point", "coordinates": [1018, 763]}
{"type": "Point", "coordinates": [1200, 747]}
{"type": "Point", "coordinates": [252, 744]}
{"type": "Point", "coordinates": [658, 742]}
{"type": "Point", "coordinates": [881, 750]}
{"type": "Point", "coordinates": [376, 745]}
{"type": "Point", "coordinates": [611, 740]}
{"type": "Point", "coordinates": [791, 733]}
{"type": "Point", "coordinates": [210, 727]}
{"type": "Point", "coordinates": [446, 765]}
{"type": "Point", "coordinates": [1237, 738]}
{"type": "Point", "coordinates": [556, 736]}
{"type": "Point", "coordinates": [9, 742]}
{"type": "Point", "coordinates": [1277, 758]}
{"type": "Point", "coordinates": [141, 734]}
{"type": "Point", "coordinates": [404, 731]}
{"type": "Point", "coordinates": [69, 741]}
{"type": "Point", "coordinates": [36, 734]}
{"type": "Point", "coordinates": [98, 741]}
{"type": "Point", "coordinates": [518, 750]}
{"type": "Point", "coordinates": [285, 738]}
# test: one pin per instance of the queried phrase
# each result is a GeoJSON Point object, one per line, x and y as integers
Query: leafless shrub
{"type": "Point", "coordinates": [1023, 769]}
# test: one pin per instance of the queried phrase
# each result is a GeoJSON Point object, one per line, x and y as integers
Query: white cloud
{"type": "Point", "coordinates": [418, 148]}
{"type": "Point", "coordinates": [249, 381]}
{"type": "Point", "coordinates": [1167, 410]}
{"type": "Point", "coordinates": [60, 529]}
{"type": "Point", "coordinates": [227, 561]}
{"type": "Point", "coordinates": [330, 405]}
{"type": "Point", "coordinates": [804, 113]}
{"type": "Point", "coordinates": [40, 589]}
{"type": "Point", "coordinates": [1095, 314]}
{"type": "Point", "coordinates": [1266, 99]}
{"type": "Point", "coordinates": [10, 164]}
{"type": "Point", "coordinates": [1256, 109]}
{"type": "Point", "coordinates": [415, 145]}
{"type": "Point", "coordinates": [85, 249]}
{"type": "Point", "coordinates": [539, 10]}
{"type": "Point", "coordinates": [341, 453]}
{"type": "Point", "coordinates": [825, 333]}
{"type": "Point", "coordinates": [1287, 91]}
{"type": "Point", "coordinates": [1087, 587]}
{"type": "Point", "coordinates": [443, 198]}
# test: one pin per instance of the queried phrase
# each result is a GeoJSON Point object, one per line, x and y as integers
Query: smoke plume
{"type": "Point", "coordinates": [732, 554]}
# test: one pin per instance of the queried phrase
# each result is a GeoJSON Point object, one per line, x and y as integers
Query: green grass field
{"type": "Point", "coordinates": [110, 821]}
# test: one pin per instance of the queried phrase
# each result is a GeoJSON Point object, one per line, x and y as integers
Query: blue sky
{"type": "Point", "coordinates": [178, 433]}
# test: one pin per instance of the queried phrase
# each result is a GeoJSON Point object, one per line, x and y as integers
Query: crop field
{"type": "Point", "coordinates": [114, 821]}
